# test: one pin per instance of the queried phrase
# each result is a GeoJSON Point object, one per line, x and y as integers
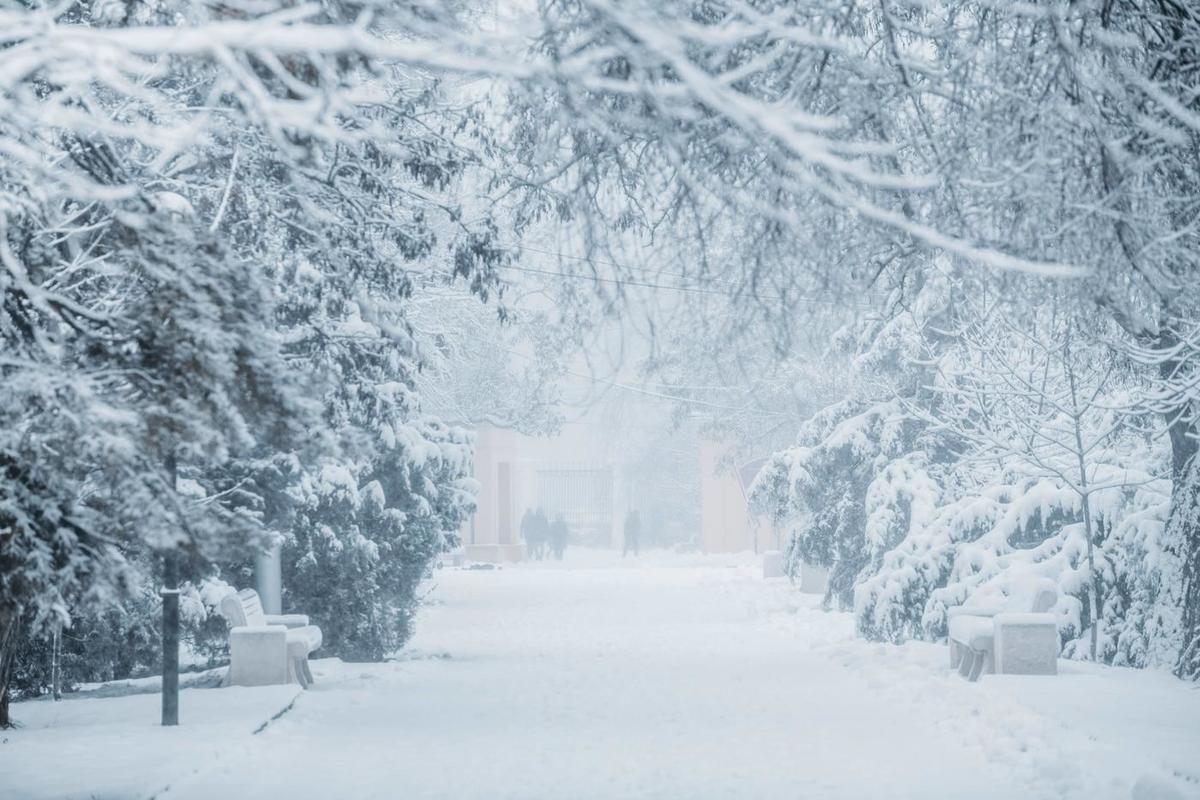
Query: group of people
{"type": "Point", "coordinates": [543, 537]}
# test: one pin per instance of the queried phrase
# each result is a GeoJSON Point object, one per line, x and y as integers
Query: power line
{"type": "Point", "coordinates": [619, 281]}
{"type": "Point", "coordinates": [591, 259]}
{"type": "Point", "coordinates": [649, 271]}
{"type": "Point", "coordinates": [649, 393]}
{"type": "Point", "coordinates": [643, 284]}
{"type": "Point", "coordinates": [686, 289]}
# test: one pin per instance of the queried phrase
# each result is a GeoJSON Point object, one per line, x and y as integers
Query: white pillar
{"type": "Point", "coordinates": [268, 579]}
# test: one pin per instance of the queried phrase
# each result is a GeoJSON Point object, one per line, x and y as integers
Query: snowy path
{"type": "Point", "coordinates": [663, 682]}
{"type": "Point", "coordinates": [669, 678]}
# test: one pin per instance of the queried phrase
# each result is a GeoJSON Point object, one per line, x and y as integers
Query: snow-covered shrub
{"type": "Point", "coordinates": [1002, 458]}
{"type": "Point", "coordinates": [1140, 616]}
{"type": "Point", "coordinates": [828, 487]}
{"type": "Point", "coordinates": [820, 487]}
{"type": "Point", "coordinates": [1026, 527]}
{"type": "Point", "coordinates": [903, 593]}
{"type": "Point", "coordinates": [905, 557]}
{"type": "Point", "coordinates": [364, 536]}
{"type": "Point", "coordinates": [118, 641]}
{"type": "Point", "coordinates": [1032, 528]}
{"type": "Point", "coordinates": [933, 537]}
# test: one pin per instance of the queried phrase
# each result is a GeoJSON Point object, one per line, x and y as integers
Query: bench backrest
{"type": "Point", "coordinates": [1037, 596]}
{"type": "Point", "coordinates": [243, 608]}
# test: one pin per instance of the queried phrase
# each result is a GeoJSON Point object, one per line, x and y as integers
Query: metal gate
{"type": "Point", "coordinates": [583, 494]}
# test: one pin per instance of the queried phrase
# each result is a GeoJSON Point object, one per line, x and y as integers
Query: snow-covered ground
{"type": "Point", "coordinates": [664, 677]}
{"type": "Point", "coordinates": [112, 748]}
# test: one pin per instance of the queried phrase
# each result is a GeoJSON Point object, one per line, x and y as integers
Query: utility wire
{"type": "Point", "coordinates": [649, 271]}
{"type": "Point", "coordinates": [619, 281]}
{"type": "Point", "coordinates": [686, 289]}
{"type": "Point", "coordinates": [645, 284]}
{"type": "Point", "coordinates": [640, 390]}
{"type": "Point", "coordinates": [593, 259]}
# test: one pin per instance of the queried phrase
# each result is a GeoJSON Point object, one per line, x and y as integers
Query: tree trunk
{"type": "Point", "coordinates": [10, 623]}
{"type": "Point", "coordinates": [1183, 529]}
{"type": "Point", "coordinates": [1094, 604]}
{"type": "Point", "coordinates": [1085, 497]}
{"type": "Point", "coordinates": [1183, 525]}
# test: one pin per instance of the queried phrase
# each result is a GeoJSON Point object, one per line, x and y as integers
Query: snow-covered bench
{"type": "Point", "coordinates": [1017, 637]}
{"type": "Point", "coordinates": [267, 649]}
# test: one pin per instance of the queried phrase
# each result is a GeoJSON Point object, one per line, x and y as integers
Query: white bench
{"type": "Point", "coordinates": [267, 649]}
{"type": "Point", "coordinates": [1018, 637]}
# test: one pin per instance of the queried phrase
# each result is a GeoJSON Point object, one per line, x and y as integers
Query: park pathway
{"type": "Point", "coordinates": [664, 678]}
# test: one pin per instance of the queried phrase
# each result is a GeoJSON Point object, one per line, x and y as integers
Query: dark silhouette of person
{"type": "Point", "coordinates": [530, 533]}
{"type": "Point", "coordinates": [633, 533]}
{"type": "Point", "coordinates": [559, 535]}
{"type": "Point", "coordinates": [541, 533]}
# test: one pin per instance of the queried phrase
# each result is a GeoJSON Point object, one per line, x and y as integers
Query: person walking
{"type": "Point", "coordinates": [559, 534]}
{"type": "Point", "coordinates": [530, 533]}
{"type": "Point", "coordinates": [633, 533]}
{"type": "Point", "coordinates": [541, 527]}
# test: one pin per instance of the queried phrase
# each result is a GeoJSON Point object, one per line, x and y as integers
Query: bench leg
{"type": "Point", "coordinates": [966, 660]}
{"type": "Point", "coordinates": [307, 672]}
{"type": "Point", "coordinates": [956, 654]}
{"type": "Point", "coordinates": [977, 662]}
{"type": "Point", "coordinates": [301, 671]}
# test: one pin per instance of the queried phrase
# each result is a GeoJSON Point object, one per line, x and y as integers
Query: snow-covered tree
{"type": "Point", "coordinates": [479, 367]}
{"type": "Point", "coordinates": [1037, 396]}
{"type": "Point", "coordinates": [1004, 446]}
{"type": "Point", "coordinates": [208, 211]}
{"type": "Point", "coordinates": [822, 486]}
{"type": "Point", "coordinates": [1053, 481]}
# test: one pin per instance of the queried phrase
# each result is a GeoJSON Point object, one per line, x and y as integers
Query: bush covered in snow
{"type": "Point", "coordinates": [963, 468]}
{"type": "Point", "coordinates": [364, 536]}
{"type": "Point", "coordinates": [115, 642]}
{"type": "Point", "coordinates": [842, 487]}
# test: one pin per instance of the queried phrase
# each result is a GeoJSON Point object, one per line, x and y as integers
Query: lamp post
{"type": "Point", "coordinates": [170, 639]}
{"type": "Point", "coordinates": [170, 617]}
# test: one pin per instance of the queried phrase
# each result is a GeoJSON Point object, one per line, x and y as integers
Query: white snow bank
{"type": "Point", "coordinates": [114, 747]}
{"type": "Point", "coordinates": [1091, 732]}
{"type": "Point", "coordinates": [202, 679]}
